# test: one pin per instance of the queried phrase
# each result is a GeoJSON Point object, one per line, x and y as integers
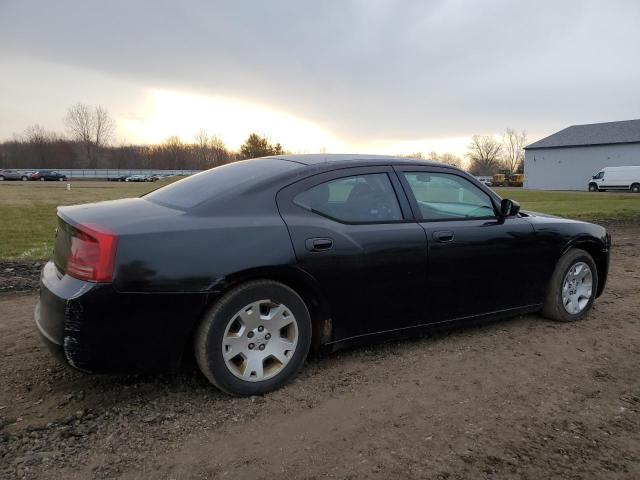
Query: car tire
{"type": "Point", "coordinates": [233, 319]}
{"type": "Point", "coordinates": [42, 179]}
{"type": "Point", "coordinates": [593, 187]}
{"type": "Point", "coordinates": [61, 179]}
{"type": "Point", "coordinates": [24, 179]}
{"type": "Point", "coordinates": [570, 276]}
{"type": "Point", "coordinates": [1, 178]}
{"type": "Point", "coordinates": [635, 188]}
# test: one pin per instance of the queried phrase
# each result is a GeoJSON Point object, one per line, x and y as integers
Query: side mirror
{"type": "Point", "coordinates": [509, 208]}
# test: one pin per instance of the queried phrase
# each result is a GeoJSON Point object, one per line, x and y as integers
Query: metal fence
{"type": "Point", "coordinates": [103, 173]}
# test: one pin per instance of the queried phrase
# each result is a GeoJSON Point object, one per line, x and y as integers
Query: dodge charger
{"type": "Point", "coordinates": [251, 265]}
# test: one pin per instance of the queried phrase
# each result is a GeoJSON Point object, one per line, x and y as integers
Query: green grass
{"type": "Point", "coordinates": [580, 205]}
{"type": "Point", "coordinates": [28, 209]}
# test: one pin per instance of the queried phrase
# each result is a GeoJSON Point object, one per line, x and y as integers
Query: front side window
{"type": "Point", "coordinates": [599, 175]}
{"type": "Point", "coordinates": [442, 196]}
{"type": "Point", "coordinates": [355, 199]}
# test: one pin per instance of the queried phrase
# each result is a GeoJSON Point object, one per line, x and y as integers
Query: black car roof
{"type": "Point", "coordinates": [343, 158]}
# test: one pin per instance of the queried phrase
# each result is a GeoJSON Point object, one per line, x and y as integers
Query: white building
{"type": "Point", "coordinates": [567, 159]}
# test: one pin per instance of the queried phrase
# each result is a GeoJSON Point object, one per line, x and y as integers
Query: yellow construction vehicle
{"type": "Point", "coordinates": [516, 180]}
{"type": "Point", "coordinates": [499, 180]}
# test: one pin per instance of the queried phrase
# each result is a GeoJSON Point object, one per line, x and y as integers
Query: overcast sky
{"type": "Point", "coordinates": [368, 75]}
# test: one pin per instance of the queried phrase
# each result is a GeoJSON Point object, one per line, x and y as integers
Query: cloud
{"type": "Point", "coordinates": [361, 70]}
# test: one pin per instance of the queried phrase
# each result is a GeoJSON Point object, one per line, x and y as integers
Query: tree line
{"type": "Point", "coordinates": [487, 154]}
{"type": "Point", "coordinates": [88, 143]}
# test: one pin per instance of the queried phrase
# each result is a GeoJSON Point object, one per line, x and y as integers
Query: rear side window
{"type": "Point", "coordinates": [355, 199]}
{"type": "Point", "coordinates": [234, 177]}
{"type": "Point", "coordinates": [442, 196]}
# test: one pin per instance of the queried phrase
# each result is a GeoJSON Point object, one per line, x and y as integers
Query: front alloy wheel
{"type": "Point", "coordinates": [572, 288]}
{"type": "Point", "coordinates": [577, 288]}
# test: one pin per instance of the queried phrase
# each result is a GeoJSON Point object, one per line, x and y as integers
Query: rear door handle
{"type": "Point", "coordinates": [319, 244]}
{"type": "Point", "coordinates": [443, 236]}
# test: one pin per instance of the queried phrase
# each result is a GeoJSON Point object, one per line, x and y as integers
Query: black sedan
{"type": "Point", "coordinates": [249, 265]}
{"type": "Point", "coordinates": [48, 175]}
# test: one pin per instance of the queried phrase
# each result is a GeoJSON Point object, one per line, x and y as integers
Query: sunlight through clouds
{"type": "Point", "coordinates": [164, 113]}
{"type": "Point", "coordinates": [167, 113]}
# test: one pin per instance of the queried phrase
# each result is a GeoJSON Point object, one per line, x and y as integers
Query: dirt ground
{"type": "Point", "coordinates": [525, 398]}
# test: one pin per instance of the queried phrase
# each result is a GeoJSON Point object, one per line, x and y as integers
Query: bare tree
{"type": "Point", "coordinates": [513, 144]}
{"type": "Point", "coordinates": [103, 127]}
{"type": "Point", "coordinates": [91, 127]}
{"type": "Point", "coordinates": [451, 159]}
{"type": "Point", "coordinates": [79, 121]}
{"type": "Point", "coordinates": [210, 150]}
{"type": "Point", "coordinates": [174, 151]}
{"type": "Point", "coordinates": [41, 144]}
{"type": "Point", "coordinates": [484, 154]}
{"type": "Point", "coordinates": [202, 148]}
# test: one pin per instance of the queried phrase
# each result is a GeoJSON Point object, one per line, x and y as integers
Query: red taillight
{"type": "Point", "coordinates": [92, 255]}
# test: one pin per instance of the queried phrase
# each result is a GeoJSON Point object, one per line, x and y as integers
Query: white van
{"type": "Point", "coordinates": [616, 178]}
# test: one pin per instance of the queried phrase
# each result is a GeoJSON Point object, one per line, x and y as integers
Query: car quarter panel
{"type": "Point", "coordinates": [163, 249]}
{"type": "Point", "coordinates": [95, 328]}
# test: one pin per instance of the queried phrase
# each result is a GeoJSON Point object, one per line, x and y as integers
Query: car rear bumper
{"type": "Point", "coordinates": [53, 344]}
{"type": "Point", "coordinates": [95, 328]}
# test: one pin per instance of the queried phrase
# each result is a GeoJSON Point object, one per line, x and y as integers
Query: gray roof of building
{"type": "Point", "coordinates": [627, 131]}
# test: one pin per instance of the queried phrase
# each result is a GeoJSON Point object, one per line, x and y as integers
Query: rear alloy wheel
{"type": "Point", "coordinates": [573, 286]}
{"type": "Point", "coordinates": [593, 187]}
{"type": "Point", "coordinates": [24, 179]}
{"type": "Point", "coordinates": [250, 350]}
{"type": "Point", "coordinates": [42, 179]}
{"type": "Point", "coordinates": [254, 339]}
{"type": "Point", "coordinates": [635, 188]}
{"type": "Point", "coordinates": [61, 179]}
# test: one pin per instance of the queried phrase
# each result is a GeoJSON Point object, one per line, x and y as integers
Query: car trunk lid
{"type": "Point", "coordinates": [87, 235]}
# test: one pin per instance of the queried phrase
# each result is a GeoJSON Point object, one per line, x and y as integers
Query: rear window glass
{"type": "Point", "coordinates": [210, 184]}
{"type": "Point", "coordinates": [358, 199]}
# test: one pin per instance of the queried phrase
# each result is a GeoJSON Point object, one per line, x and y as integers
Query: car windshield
{"type": "Point", "coordinates": [213, 183]}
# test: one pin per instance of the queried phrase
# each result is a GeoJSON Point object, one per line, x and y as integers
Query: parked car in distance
{"type": "Point", "coordinates": [120, 178]}
{"type": "Point", "coordinates": [14, 175]}
{"type": "Point", "coordinates": [254, 263]}
{"type": "Point", "coordinates": [9, 175]}
{"type": "Point", "coordinates": [616, 178]}
{"type": "Point", "coordinates": [484, 180]}
{"type": "Point", "coordinates": [136, 178]}
{"type": "Point", "coordinates": [48, 175]}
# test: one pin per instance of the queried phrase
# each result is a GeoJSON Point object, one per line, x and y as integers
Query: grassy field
{"type": "Point", "coordinates": [581, 205]}
{"type": "Point", "coordinates": [28, 209]}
